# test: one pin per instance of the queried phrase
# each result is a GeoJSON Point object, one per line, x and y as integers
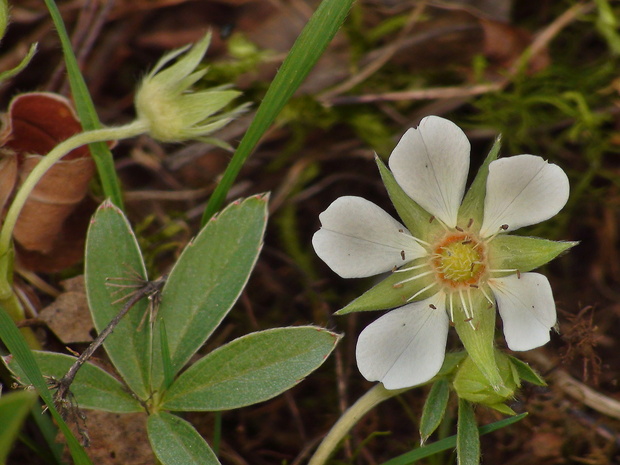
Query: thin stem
{"type": "Point", "coordinates": [62, 149]}
{"type": "Point", "coordinates": [354, 413]}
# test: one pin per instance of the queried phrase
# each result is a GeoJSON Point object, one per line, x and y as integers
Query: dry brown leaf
{"type": "Point", "coordinates": [8, 175]}
{"type": "Point", "coordinates": [68, 316]}
{"type": "Point", "coordinates": [36, 123]}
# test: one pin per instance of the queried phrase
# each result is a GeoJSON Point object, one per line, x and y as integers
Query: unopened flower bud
{"type": "Point", "coordinates": [470, 384]}
{"type": "Point", "coordinates": [173, 112]}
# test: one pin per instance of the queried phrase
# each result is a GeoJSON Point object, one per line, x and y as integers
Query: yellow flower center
{"type": "Point", "coordinates": [459, 260]}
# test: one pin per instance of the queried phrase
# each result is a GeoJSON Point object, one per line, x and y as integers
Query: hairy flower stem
{"type": "Point", "coordinates": [348, 420]}
{"type": "Point", "coordinates": [6, 255]}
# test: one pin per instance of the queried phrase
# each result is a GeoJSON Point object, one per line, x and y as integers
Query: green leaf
{"type": "Point", "coordinates": [305, 52]}
{"type": "Point", "coordinates": [434, 408]}
{"type": "Point", "coordinates": [467, 436]}
{"type": "Point", "coordinates": [527, 373]}
{"type": "Point", "coordinates": [419, 222]}
{"type": "Point", "coordinates": [18, 348]}
{"type": "Point", "coordinates": [176, 442]}
{"type": "Point", "coordinates": [93, 387]}
{"type": "Point", "coordinates": [389, 293]}
{"type": "Point", "coordinates": [251, 369]}
{"type": "Point", "coordinates": [509, 252]}
{"type": "Point", "coordinates": [113, 257]}
{"type": "Point", "coordinates": [448, 443]}
{"type": "Point", "coordinates": [473, 203]}
{"type": "Point", "coordinates": [86, 111]}
{"type": "Point", "coordinates": [14, 408]}
{"type": "Point", "coordinates": [208, 278]}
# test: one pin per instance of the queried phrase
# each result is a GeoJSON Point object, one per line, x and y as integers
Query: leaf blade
{"type": "Point", "coordinates": [176, 442]}
{"type": "Point", "coordinates": [251, 369]}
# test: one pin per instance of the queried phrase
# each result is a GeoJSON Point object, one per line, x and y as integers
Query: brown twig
{"type": "Point", "coordinates": [149, 289]}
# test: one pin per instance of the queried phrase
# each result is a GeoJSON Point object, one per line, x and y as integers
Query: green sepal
{"type": "Point", "coordinates": [508, 252]}
{"type": "Point", "coordinates": [451, 363]}
{"type": "Point", "coordinates": [467, 436]}
{"type": "Point", "coordinates": [473, 203]}
{"type": "Point", "coordinates": [472, 385]}
{"type": "Point", "coordinates": [503, 408]}
{"type": "Point", "coordinates": [478, 335]}
{"type": "Point", "coordinates": [385, 295]}
{"type": "Point", "coordinates": [434, 408]}
{"type": "Point", "coordinates": [526, 372]}
{"type": "Point", "coordinates": [419, 222]}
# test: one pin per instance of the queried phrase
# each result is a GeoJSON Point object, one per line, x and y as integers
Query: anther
{"type": "Point", "coordinates": [518, 274]}
{"type": "Point", "coordinates": [433, 307]}
{"type": "Point", "coordinates": [458, 228]}
{"type": "Point", "coordinates": [504, 227]}
{"type": "Point", "coordinates": [402, 254]}
{"type": "Point", "coordinates": [471, 221]}
{"type": "Point", "coordinates": [431, 219]}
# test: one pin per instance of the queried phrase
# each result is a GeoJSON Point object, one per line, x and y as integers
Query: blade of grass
{"type": "Point", "coordinates": [448, 443]}
{"type": "Point", "coordinates": [86, 111]}
{"type": "Point", "coordinates": [306, 50]}
{"type": "Point", "coordinates": [18, 348]}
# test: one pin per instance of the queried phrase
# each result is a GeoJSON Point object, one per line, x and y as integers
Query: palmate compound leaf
{"type": "Point", "coordinates": [112, 258]}
{"type": "Point", "coordinates": [207, 280]}
{"type": "Point", "coordinates": [176, 442]}
{"type": "Point", "coordinates": [251, 369]}
{"type": "Point", "coordinates": [93, 388]}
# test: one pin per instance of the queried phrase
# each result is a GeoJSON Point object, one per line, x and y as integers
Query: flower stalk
{"type": "Point", "coordinates": [349, 419]}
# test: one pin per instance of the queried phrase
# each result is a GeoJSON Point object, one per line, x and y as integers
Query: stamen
{"type": "Point", "coordinates": [487, 296]}
{"type": "Point", "coordinates": [508, 270]}
{"type": "Point", "coordinates": [465, 309]}
{"type": "Point", "coordinates": [400, 283]}
{"type": "Point", "coordinates": [421, 291]}
{"type": "Point", "coordinates": [470, 222]}
{"type": "Point", "coordinates": [409, 268]}
{"type": "Point", "coordinates": [501, 229]}
{"type": "Point", "coordinates": [471, 306]}
{"type": "Point", "coordinates": [419, 241]}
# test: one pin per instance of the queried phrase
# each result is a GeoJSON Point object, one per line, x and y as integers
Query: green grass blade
{"type": "Point", "coordinates": [86, 111]}
{"type": "Point", "coordinates": [448, 443]}
{"type": "Point", "coordinates": [305, 52]}
{"type": "Point", "coordinates": [17, 346]}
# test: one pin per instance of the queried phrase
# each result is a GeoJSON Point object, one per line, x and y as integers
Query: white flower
{"type": "Point", "coordinates": [454, 270]}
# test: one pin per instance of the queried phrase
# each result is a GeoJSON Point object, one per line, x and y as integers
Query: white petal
{"type": "Point", "coordinates": [357, 239]}
{"type": "Point", "coordinates": [522, 190]}
{"type": "Point", "coordinates": [406, 346]}
{"type": "Point", "coordinates": [431, 163]}
{"type": "Point", "coordinates": [527, 309]}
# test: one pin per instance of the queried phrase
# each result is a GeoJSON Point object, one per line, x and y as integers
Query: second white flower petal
{"type": "Point", "coordinates": [357, 239]}
{"type": "Point", "coordinates": [522, 190]}
{"type": "Point", "coordinates": [406, 346]}
{"type": "Point", "coordinates": [431, 163]}
{"type": "Point", "coordinates": [527, 309]}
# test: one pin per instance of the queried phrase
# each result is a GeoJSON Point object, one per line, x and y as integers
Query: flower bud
{"type": "Point", "coordinates": [470, 384]}
{"type": "Point", "coordinates": [172, 111]}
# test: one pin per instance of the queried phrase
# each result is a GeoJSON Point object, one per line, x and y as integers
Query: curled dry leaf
{"type": "Point", "coordinates": [48, 238]}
